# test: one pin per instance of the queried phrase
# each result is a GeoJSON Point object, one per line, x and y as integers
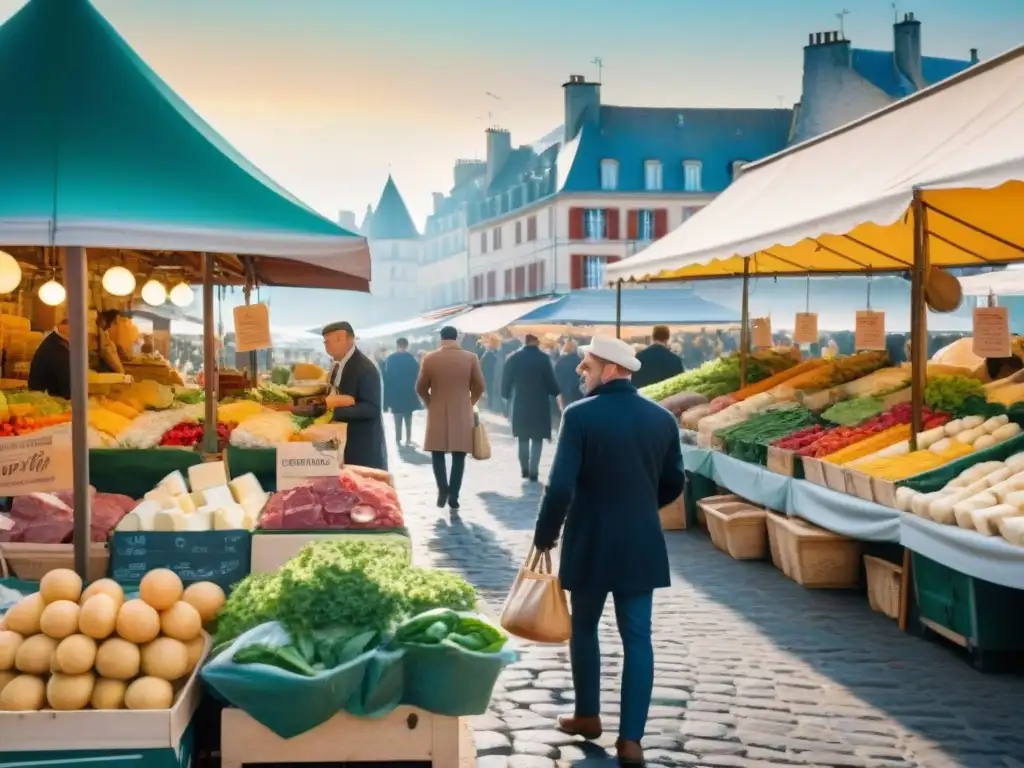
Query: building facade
{"type": "Point", "coordinates": [395, 250]}
{"type": "Point", "coordinates": [548, 217]}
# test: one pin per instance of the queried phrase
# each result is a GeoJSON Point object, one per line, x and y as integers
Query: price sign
{"type": "Point", "coordinates": [298, 462]}
{"type": "Point", "coordinates": [992, 332]}
{"type": "Point", "coordinates": [805, 329]}
{"type": "Point", "coordinates": [762, 331]}
{"type": "Point", "coordinates": [38, 463]}
{"type": "Point", "coordinates": [869, 332]}
{"type": "Point", "coordinates": [252, 328]}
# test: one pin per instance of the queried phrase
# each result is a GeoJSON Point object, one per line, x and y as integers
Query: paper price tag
{"type": "Point", "coordinates": [762, 332]}
{"type": "Point", "coordinates": [869, 332]}
{"type": "Point", "coordinates": [252, 328]}
{"type": "Point", "coordinates": [805, 329]}
{"type": "Point", "coordinates": [992, 332]}
{"type": "Point", "coordinates": [298, 462]}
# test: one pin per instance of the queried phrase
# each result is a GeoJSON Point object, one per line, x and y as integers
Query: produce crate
{"type": "Point", "coordinates": [835, 476]}
{"type": "Point", "coordinates": [860, 485]}
{"type": "Point", "coordinates": [673, 516]}
{"type": "Point", "coordinates": [884, 584]}
{"type": "Point", "coordinates": [884, 492]}
{"type": "Point", "coordinates": [738, 529]}
{"type": "Point", "coordinates": [818, 558]}
{"type": "Point", "coordinates": [773, 521]}
{"type": "Point", "coordinates": [784, 462]}
{"type": "Point", "coordinates": [407, 735]}
{"type": "Point", "coordinates": [814, 471]}
{"type": "Point", "coordinates": [272, 549]}
{"type": "Point", "coordinates": [30, 562]}
{"type": "Point", "coordinates": [713, 501]}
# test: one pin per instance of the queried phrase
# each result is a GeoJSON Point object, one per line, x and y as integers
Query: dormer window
{"type": "Point", "coordinates": [609, 174]}
{"type": "Point", "coordinates": [692, 176]}
{"type": "Point", "coordinates": [737, 168]}
{"type": "Point", "coordinates": [652, 176]}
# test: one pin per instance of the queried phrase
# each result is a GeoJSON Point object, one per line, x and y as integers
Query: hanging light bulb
{"type": "Point", "coordinates": [181, 295]}
{"type": "Point", "coordinates": [154, 293]}
{"type": "Point", "coordinates": [52, 293]}
{"type": "Point", "coordinates": [118, 281]}
{"type": "Point", "coordinates": [10, 273]}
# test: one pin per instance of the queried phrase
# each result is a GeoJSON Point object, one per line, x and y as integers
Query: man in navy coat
{"type": "Point", "coordinates": [617, 462]}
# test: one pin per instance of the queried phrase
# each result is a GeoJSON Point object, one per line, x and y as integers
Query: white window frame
{"type": "Point", "coordinates": [594, 267]}
{"type": "Point", "coordinates": [609, 174]}
{"type": "Point", "coordinates": [595, 220]}
{"type": "Point", "coordinates": [645, 224]}
{"type": "Point", "coordinates": [692, 173]}
{"type": "Point", "coordinates": [652, 176]}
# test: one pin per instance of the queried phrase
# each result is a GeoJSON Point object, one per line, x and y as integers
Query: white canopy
{"type": "Point", "coordinates": [836, 203]}
{"type": "Point", "coordinates": [494, 317]}
{"type": "Point", "coordinates": [1007, 282]}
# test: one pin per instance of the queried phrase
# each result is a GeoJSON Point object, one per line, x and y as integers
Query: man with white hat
{"type": "Point", "coordinates": [617, 462]}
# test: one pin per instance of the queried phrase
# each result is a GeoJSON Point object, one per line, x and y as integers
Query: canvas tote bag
{"type": "Point", "coordinates": [536, 608]}
{"type": "Point", "coordinates": [481, 442]}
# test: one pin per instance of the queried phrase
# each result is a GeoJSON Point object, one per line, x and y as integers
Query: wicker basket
{"type": "Point", "coordinates": [884, 581]}
{"type": "Point", "coordinates": [673, 516]}
{"type": "Point", "coordinates": [712, 501]}
{"type": "Point", "coordinates": [738, 529]}
{"type": "Point", "coordinates": [819, 558]}
{"type": "Point", "coordinates": [772, 523]}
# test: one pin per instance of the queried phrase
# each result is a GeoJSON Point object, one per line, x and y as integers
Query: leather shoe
{"type": "Point", "coordinates": [587, 727]}
{"type": "Point", "coordinates": [630, 753]}
{"type": "Point", "coordinates": [442, 499]}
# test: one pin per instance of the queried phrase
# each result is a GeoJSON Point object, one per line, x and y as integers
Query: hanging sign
{"type": "Point", "coordinates": [992, 332]}
{"type": "Point", "coordinates": [252, 328]}
{"type": "Point", "coordinates": [298, 462]}
{"type": "Point", "coordinates": [805, 329]}
{"type": "Point", "coordinates": [869, 332]}
{"type": "Point", "coordinates": [37, 463]}
{"type": "Point", "coordinates": [762, 332]}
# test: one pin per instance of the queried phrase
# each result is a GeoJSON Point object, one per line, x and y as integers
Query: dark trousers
{"type": "Point", "coordinates": [633, 616]}
{"type": "Point", "coordinates": [400, 419]}
{"type": "Point", "coordinates": [452, 484]}
{"type": "Point", "coordinates": [529, 455]}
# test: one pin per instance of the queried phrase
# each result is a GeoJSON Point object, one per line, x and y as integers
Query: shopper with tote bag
{"type": "Point", "coordinates": [617, 462]}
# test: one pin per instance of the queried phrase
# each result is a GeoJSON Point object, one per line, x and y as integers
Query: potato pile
{"type": "Point", "coordinates": [64, 649]}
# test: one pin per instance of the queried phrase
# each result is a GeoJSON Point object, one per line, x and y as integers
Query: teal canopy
{"type": "Point", "coordinates": [97, 151]}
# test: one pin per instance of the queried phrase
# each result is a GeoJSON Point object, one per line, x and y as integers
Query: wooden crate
{"type": "Point", "coordinates": [782, 461]}
{"type": "Point", "coordinates": [884, 492]}
{"type": "Point", "coordinates": [818, 558]}
{"type": "Point", "coordinates": [835, 476]}
{"type": "Point", "coordinates": [739, 530]}
{"type": "Point", "coordinates": [858, 484]}
{"type": "Point", "coordinates": [814, 471]}
{"type": "Point", "coordinates": [406, 735]}
{"type": "Point", "coordinates": [711, 501]}
{"type": "Point", "coordinates": [885, 582]}
{"type": "Point", "coordinates": [772, 523]}
{"type": "Point", "coordinates": [673, 516]}
{"type": "Point", "coordinates": [30, 562]}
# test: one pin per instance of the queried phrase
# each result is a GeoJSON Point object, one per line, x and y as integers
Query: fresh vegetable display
{"type": "Point", "coordinates": [189, 435]}
{"type": "Point", "coordinates": [838, 371]}
{"type": "Point", "coordinates": [836, 439]}
{"type": "Point", "coordinates": [67, 648]}
{"type": "Point", "coordinates": [948, 393]}
{"type": "Point", "coordinates": [850, 413]}
{"type": "Point", "coordinates": [311, 652]}
{"type": "Point", "coordinates": [443, 626]}
{"type": "Point", "coordinates": [720, 376]}
{"type": "Point", "coordinates": [801, 438]}
{"type": "Point", "coordinates": [749, 439]}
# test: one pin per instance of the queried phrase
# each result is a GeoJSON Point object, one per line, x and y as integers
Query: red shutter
{"type": "Point", "coordinates": [660, 223]}
{"type": "Point", "coordinates": [531, 228]}
{"type": "Point", "coordinates": [576, 271]}
{"type": "Point", "coordinates": [531, 279]}
{"type": "Point", "coordinates": [520, 281]}
{"type": "Point", "coordinates": [508, 283]}
{"type": "Point", "coordinates": [612, 217]}
{"type": "Point", "coordinates": [576, 221]}
{"type": "Point", "coordinates": [492, 287]}
{"type": "Point", "coordinates": [612, 259]}
{"type": "Point", "coordinates": [633, 225]}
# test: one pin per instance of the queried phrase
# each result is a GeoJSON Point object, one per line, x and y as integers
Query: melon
{"type": "Point", "coordinates": [206, 597]}
{"type": "Point", "coordinates": [107, 587]}
{"type": "Point", "coordinates": [33, 656]}
{"type": "Point", "coordinates": [165, 658]}
{"type": "Point", "coordinates": [117, 659]}
{"type": "Point", "coordinates": [23, 617]}
{"type": "Point", "coordinates": [59, 619]}
{"type": "Point", "coordinates": [9, 643]}
{"type": "Point", "coordinates": [149, 693]}
{"type": "Point", "coordinates": [161, 588]}
{"type": "Point", "coordinates": [108, 694]}
{"type": "Point", "coordinates": [138, 622]}
{"type": "Point", "coordinates": [61, 584]}
{"type": "Point", "coordinates": [69, 692]}
{"type": "Point", "coordinates": [75, 655]}
{"type": "Point", "coordinates": [98, 616]}
{"type": "Point", "coordinates": [181, 621]}
{"type": "Point", "coordinates": [24, 693]}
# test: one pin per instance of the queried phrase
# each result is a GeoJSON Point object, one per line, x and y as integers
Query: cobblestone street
{"type": "Point", "coordinates": [752, 670]}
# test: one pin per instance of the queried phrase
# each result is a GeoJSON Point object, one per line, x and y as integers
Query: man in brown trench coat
{"type": "Point", "coordinates": [450, 384]}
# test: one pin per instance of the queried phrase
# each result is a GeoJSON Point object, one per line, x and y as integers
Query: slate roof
{"type": "Point", "coordinates": [633, 135]}
{"type": "Point", "coordinates": [879, 68]}
{"type": "Point", "coordinates": [391, 219]}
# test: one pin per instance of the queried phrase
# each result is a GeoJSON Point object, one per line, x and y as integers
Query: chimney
{"type": "Point", "coordinates": [347, 220]}
{"type": "Point", "coordinates": [907, 49]}
{"type": "Point", "coordinates": [974, 55]}
{"type": "Point", "coordinates": [438, 201]}
{"type": "Point", "coordinates": [582, 105]}
{"type": "Point", "coordinates": [499, 147]}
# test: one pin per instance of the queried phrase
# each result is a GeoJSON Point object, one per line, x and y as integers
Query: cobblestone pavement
{"type": "Point", "coordinates": [752, 670]}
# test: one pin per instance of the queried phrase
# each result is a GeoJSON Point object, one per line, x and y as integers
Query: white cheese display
{"type": "Point", "coordinates": [207, 502]}
{"type": "Point", "coordinates": [987, 498]}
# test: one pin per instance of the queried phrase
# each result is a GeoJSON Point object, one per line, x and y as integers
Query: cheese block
{"type": "Point", "coordinates": [185, 503]}
{"type": "Point", "coordinates": [161, 496]}
{"type": "Point", "coordinates": [941, 509]}
{"type": "Point", "coordinates": [962, 509]}
{"type": "Point", "coordinates": [218, 496]}
{"type": "Point", "coordinates": [905, 497]}
{"type": "Point", "coordinates": [141, 518]}
{"type": "Point", "coordinates": [174, 483]}
{"type": "Point", "coordinates": [978, 471]}
{"type": "Point", "coordinates": [231, 518]}
{"type": "Point", "coordinates": [1012, 529]}
{"type": "Point", "coordinates": [208, 475]}
{"type": "Point", "coordinates": [253, 505]}
{"type": "Point", "coordinates": [198, 499]}
{"type": "Point", "coordinates": [986, 521]}
{"type": "Point", "coordinates": [920, 503]}
{"type": "Point", "coordinates": [245, 486]}
{"type": "Point", "coordinates": [176, 521]}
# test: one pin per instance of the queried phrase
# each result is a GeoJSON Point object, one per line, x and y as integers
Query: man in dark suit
{"type": "Point", "coordinates": [528, 382]}
{"type": "Point", "coordinates": [618, 461]}
{"type": "Point", "coordinates": [658, 362]}
{"type": "Point", "coordinates": [355, 397]}
{"type": "Point", "coordinates": [399, 372]}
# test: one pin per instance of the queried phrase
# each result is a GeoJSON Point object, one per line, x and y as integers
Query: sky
{"type": "Point", "coordinates": [329, 96]}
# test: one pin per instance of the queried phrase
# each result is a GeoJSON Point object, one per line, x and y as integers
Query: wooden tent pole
{"type": "Point", "coordinates": [76, 276]}
{"type": "Point", "coordinates": [918, 317]}
{"type": "Point", "coordinates": [745, 322]}
{"type": "Point", "coordinates": [209, 357]}
{"type": "Point", "coordinates": [618, 308]}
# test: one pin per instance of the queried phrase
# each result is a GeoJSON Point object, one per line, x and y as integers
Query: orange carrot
{"type": "Point", "coordinates": [779, 378]}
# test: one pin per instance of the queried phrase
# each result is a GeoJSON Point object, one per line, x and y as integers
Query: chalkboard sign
{"type": "Point", "coordinates": [218, 556]}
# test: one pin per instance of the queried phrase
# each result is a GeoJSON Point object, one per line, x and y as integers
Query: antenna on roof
{"type": "Point", "coordinates": [598, 62]}
{"type": "Point", "coordinates": [781, 99]}
{"type": "Point", "coordinates": [895, 12]}
{"type": "Point", "coordinates": [490, 115]}
{"type": "Point", "coordinates": [842, 18]}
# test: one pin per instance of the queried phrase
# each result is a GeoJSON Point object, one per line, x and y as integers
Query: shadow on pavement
{"type": "Point", "coordinates": [508, 510]}
{"type": "Point", "coordinates": [919, 684]}
{"type": "Point", "coordinates": [413, 456]}
{"type": "Point", "coordinates": [492, 568]}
